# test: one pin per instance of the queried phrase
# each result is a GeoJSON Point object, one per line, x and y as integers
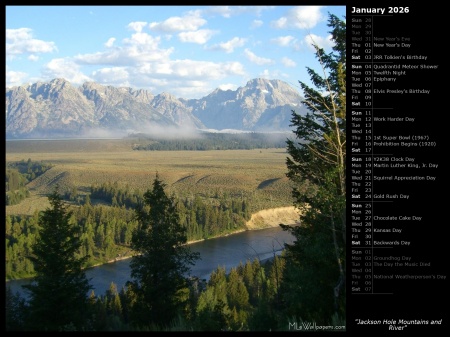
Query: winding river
{"type": "Point", "coordinates": [226, 252]}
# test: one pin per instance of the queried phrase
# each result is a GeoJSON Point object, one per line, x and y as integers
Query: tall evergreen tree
{"type": "Point", "coordinates": [237, 292]}
{"type": "Point", "coordinates": [58, 294]}
{"type": "Point", "coordinates": [159, 271]}
{"type": "Point", "coordinates": [315, 270]}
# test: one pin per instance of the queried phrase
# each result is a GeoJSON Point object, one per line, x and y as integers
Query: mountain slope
{"type": "Point", "coordinates": [59, 109]}
{"type": "Point", "coordinates": [260, 105]}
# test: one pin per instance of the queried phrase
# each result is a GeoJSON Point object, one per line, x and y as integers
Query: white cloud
{"type": "Point", "coordinates": [324, 43]}
{"type": "Point", "coordinates": [64, 68]}
{"type": "Point", "coordinates": [15, 35]}
{"type": "Point", "coordinates": [256, 59]}
{"type": "Point", "coordinates": [282, 41]}
{"type": "Point", "coordinates": [137, 26]}
{"type": "Point", "coordinates": [163, 68]}
{"type": "Point", "coordinates": [142, 39]}
{"type": "Point", "coordinates": [182, 78]}
{"type": "Point", "coordinates": [116, 75]}
{"type": "Point", "coordinates": [300, 17]}
{"type": "Point", "coordinates": [20, 41]}
{"type": "Point", "coordinates": [141, 47]}
{"type": "Point", "coordinates": [224, 11]}
{"type": "Point", "coordinates": [191, 21]}
{"type": "Point", "coordinates": [33, 58]}
{"type": "Point", "coordinates": [233, 68]}
{"type": "Point", "coordinates": [256, 24]}
{"type": "Point", "coordinates": [189, 88]}
{"type": "Point", "coordinates": [266, 73]}
{"type": "Point", "coordinates": [110, 42]}
{"type": "Point", "coordinates": [178, 86]}
{"type": "Point", "coordinates": [280, 23]}
{"type": "Point", "coordinates": [256, 10]}
{"type": "Point", "coordinates": [228, 86]}
{"type": "Point", "coordinates": [229, 11]}
{"type": "Point", "coordinates": [199, 36]}
{"type": "Point", "coordinates": [287, 62]}
{"type": "Point", "coordinates": [228, 47]}
{"type": "Point", "coordinates": [15, 78]}
{"type": "Point", "coordinates": [139, 62]}
{"type": "Point", "coordinates": [205, 70]}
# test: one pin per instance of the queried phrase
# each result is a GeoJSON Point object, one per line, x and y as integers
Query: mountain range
{"type": "Point", "coordinates": [58, 109]}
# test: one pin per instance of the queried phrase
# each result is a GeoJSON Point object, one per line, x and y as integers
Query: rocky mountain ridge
{"type": "Point", "coordinates": [57, 109]}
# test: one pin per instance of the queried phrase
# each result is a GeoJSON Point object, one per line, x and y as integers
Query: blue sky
{"type": "Point", "coordinates": [187, 51]}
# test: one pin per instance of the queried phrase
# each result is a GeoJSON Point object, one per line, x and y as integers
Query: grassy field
{"type": "Point", "coordinates": [256, 174]}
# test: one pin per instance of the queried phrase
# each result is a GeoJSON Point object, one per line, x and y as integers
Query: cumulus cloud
{"type": "Point", "coordinates": [142, 40]}
{"type": "Point", "coordinates": [117, 75]}
{"type": "Point", "coordinates": [287, 62]}
{"type": "Point", "coordinates": [192, 20]}
{"type": "Point", "coordinates": [300, 17]}
{"type": "Point", "coordinates": [160, 68]}
{"type": "Point", "coordinates": [228, 47]}
{"type": "Point", "coordinates": [229, 11]}
{"type": "Point", "coordinates": [200, 36]}
{"type": "Point", "coordinates": [224, 11]}
{"type": "Point", "coordinates": [20, 41]}
{"type": "Point", "coordinates": [256, 24]}
{"type": "Point", "coordinates": [324, 43]}
{"type": "Point", "coordinates": [266, 73]}
{"type": "Point", "coordinates": [257, 59]}
{"type": "Point", "coordinates": [205, 69]}
{"type": "Point", "coordinates": [183, 87]}
{"type": "Point", "coordinates": [256, 10]}
{"type": "Point", "coordinates": [137, 26]}
{"type": "Point", "coordinates": [140, 62]}
{"type": "Point", "coordinates": [182, 78]}
{"type": "Point", "coordinates": [110, 42]}
{"type": "Point", "coordinates": [227, 86]}
{"type": "Point", "coordinates": [15, 78]}
{"type": "Point", "coordinates": [143, 60]}
{"type": "Point", "coordinates": [65, 68]}
{"type": "Point", "coordinates": [139, 48]}
{"type": "Point", "coordinates": [282, 41]}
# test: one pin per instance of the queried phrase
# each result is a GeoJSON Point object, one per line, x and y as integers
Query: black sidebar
{"type": "Point", "coordinates": [397, 168]}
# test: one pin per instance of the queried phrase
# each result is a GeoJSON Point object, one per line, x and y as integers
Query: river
{"type": "Point", "coordinates": [226, 252]}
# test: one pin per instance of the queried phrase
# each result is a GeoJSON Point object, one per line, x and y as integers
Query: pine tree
{"type": "Point", "coordinates": [314, 283]}
{"type": "Point", "coordinates": [218, 281]}
{"type": "Point", "coordinates": [259, 279]}
{"type": "Point", "coordinates": [58, 294]}
{"type": "Point", "coordinates": [159, 272]}
{"type": "Point", "coordinates": [114, 304]}
{"type": "Point", "coordinates": [237, 293]}
{"type": "Point", "coordinates": [275, 277]}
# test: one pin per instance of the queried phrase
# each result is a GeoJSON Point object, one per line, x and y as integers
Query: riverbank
{"type": "Point", "coordinates": [267, 218]}
{"type": "Point", "coordinates": [224, 252]}
{"type": "Point", "coordinates": [272, 217]}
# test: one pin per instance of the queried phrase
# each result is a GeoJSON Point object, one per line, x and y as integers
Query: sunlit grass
{"type": "Point", "coordinates": [256, 174]}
